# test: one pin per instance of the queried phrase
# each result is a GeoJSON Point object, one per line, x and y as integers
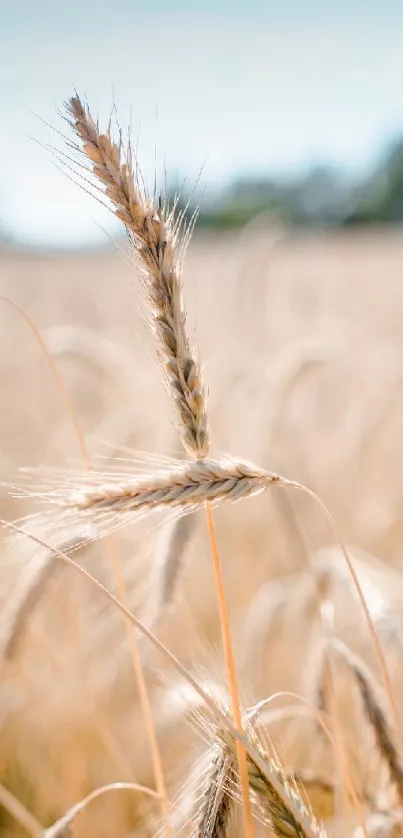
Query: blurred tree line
{"type": "Point", "coordinates": [320, 197]}
{"type": "Point", "coordinates": [323, 196]}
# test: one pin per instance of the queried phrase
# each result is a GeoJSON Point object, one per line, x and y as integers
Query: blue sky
{"type": "Point", "coordinates": [230, 87]}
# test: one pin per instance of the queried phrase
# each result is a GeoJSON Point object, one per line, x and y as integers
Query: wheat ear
{"type": "Point", "coordinates": [372, 704]}
{"type": "Point", "coordinates": [184, 485]}
{"type": "Point", "coordinates": [278, 800]}
{"type": "Point", "coordinates": [160, 246]}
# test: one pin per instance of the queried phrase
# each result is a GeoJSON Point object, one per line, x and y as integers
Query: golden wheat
{"type": "Point", "coordinates": [109, 501]}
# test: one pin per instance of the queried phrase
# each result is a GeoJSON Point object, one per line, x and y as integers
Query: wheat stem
{"type": "Point", "coordinates": [144, 698]}
{"type": "Point", "coordinates": [61, 828]}
{"type": "Point", "coordinates": [19, 812]}
{"type": "Point", "coordinates": [232, 679]}
{"type": "Point", "coordinates": [183, 484]}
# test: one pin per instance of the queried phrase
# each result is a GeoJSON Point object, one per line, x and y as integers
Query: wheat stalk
{"type": "Point", "coordinates": [231, 672]}
{"type": "Point", "coordinates": [63, 827]}
{"type": "Point", "coordinates": [160, 247]}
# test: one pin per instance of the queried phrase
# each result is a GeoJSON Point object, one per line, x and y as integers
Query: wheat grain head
{"type": "Point", "coordinates": [109, 501]}
{"type": "Point", "coordinates": [160, 245]}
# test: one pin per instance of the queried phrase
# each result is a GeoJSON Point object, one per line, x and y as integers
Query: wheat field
{"type": "Point", "coordinates": [300, 339]}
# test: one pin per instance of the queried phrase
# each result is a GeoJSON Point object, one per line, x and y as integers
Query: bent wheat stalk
{"type": "Point", "coordinates": [61, 829]}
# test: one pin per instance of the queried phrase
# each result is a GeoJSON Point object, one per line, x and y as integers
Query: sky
{"type": "Point", "coordinates": [225, 87]}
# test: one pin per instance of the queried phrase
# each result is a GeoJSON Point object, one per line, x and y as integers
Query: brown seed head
{"type": "Point", "coordinates": [156, 237]}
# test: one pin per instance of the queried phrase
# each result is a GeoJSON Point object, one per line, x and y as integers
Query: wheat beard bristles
{"type": "Point", "coordinates": [156, 237]}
